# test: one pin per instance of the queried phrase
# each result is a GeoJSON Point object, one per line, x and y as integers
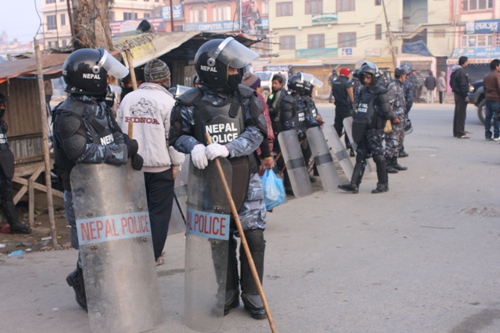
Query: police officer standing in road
{"type": "Point", "coordinates": [394, 139]}
{"type": "Point", "coordinates": [342, 90]}
{"type": "Point", "coordinates": [6, 174]}
{"type": "Point", "coordinates": [409, 89]}
{"type": "Point", "coordinates": [221, 100]}
{"type": "Point", "coordinates": [373, 110]}
{"type": "Point", "coordinates": [86, 132]}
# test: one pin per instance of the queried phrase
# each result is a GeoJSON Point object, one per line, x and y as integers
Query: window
{"type": "Point", "coordinates": [287, 42]}
{"type": "Point", "coordinates": [50, 45]}
{"type": "Point", "coordinates": [345, 5]}
{"type": "Point", "coordinates": [111, 16]}
{"type": "Point", "coordinates": [146, 15]}
{"type": "Point", "coordinates": [221, 13]}
{"type": "Point", "coordinates": [65, 43]}
{"type": "Point", "coordinates": [470, 5]}
{"type": "Point", "coordinates": [284, 8]}
{"type": "Point", "coordinates": [439, 33]}
{"type": "Point", "coordinates": [378, 31]}
{"type": "Point", "coordinates": [63, 20]}
{"type": "Point", "coordinates": [50, 1]}
{"type": "Point", "coordinates": [51, 22]}
{"type": "Point", "coordinates": [316, 41]}
{"type": "Point", "coordinates": [347, 39]}
{"type": "Point", "coordinates": [314, 6]}
{"type": "Point", "coordinates": [198, 14]}
{"type": "Point", "coordinates": [477, 40]}
{"type": "Point", "coordinates": [129, 16]}
{"type": "Point", "coordinates": [378, 2]}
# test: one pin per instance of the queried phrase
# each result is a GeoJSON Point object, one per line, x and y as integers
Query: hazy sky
{"type": "Point", "coordinates": [19, 19]}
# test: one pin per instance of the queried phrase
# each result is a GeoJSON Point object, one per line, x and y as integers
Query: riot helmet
{"type": "Point", "coordinates": [86, 71]}
{"type": "Point", "coordinates": [365, 70]}
{"type": "Point", "coordinates": [398, 72]}
{"type": "Point", "coordinates": [215, 56]}
{"type": "Point", "coordinates": [355, 73]}
{"type": "Point", "coordinates": [296, 84]}
{"type": "Point", "coordinates": [407, 68]}
{"type": "Point", "coordinates": [310, 82]}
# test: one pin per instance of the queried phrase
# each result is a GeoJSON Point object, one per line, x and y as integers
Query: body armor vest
{"type": "Point", "coordinates": [300, 117]}
{"type": "Point", "coordinates": [4, 143]}
{"type": "Point", "coordinates": [366, 108]}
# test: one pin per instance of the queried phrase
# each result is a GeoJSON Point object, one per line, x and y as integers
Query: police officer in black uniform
{"type": "Point", "coordinates": [373, 110]}
{"type": "Point", "coordinates": [343, 92]}
{"type": "Point", "coordinates": [6, 174]}
{"type": "Point", "coordinates": [86, 132]}
{"type": "Point", "coordinates": [222, 100]}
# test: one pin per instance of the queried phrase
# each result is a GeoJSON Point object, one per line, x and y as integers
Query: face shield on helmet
{"type": "Point", "coordinates": [313, 80]}
{"type": "Point", "coordinates": [111, 65]}
{"type": "Point", "coordinates": [234, 54]}
{"type": "Point", "coordinates": [296, 84]}
{"type": "Point", "coordinates": [367, 70]}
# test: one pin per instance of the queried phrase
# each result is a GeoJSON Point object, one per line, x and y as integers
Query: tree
{"type": "Point", "coordinates": [91, 24]}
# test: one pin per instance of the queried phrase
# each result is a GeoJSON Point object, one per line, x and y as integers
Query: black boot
{"type": "Point", "coordinates": [402, 153]}
{"type": "Point", "coordinates": [395, 164]}
{"type": "Point", "coordinates": [10, 212]}
{"type": "Point", "coordinates": [75, 280]}
{"type": "Point", "coordinates": [232, 298]}
{"type": "Point", "coordinates": [357, 175]}
{"type": "Point", "coordinates": [383, 179]}
{"type": "Point", "coordinates": [390, 167]}
{"type": "Point", "coordinates": [249, 292]}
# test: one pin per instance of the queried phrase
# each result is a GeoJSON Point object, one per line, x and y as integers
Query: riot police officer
{"type": "Point", "coordinates": [373, 110]}
{"type": "Point", "coordinates": [6, 174]}
{"type": "Point", "coordinates": [409, 89]}
{"type": "Point", "coordinates": [86, 132]}
{"type": "Point", "coordinates": [394, 139]}
{"type": "Point", "coordinates": [222, 102]}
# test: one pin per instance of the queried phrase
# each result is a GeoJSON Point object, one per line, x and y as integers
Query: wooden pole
{"type": "Point", "coordinates": [46, 154]}
{"type": "Point", "coordinates": [390, 37]}
{"type": "Point", "coordinates": [171, 17]}
{"type": "Point", "coordinates": [243, 240]}
{"type": "Point", "coordinates": [131, 68]}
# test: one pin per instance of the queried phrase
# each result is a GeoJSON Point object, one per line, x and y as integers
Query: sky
{"type": "Point", "coordinates": [19, 19]}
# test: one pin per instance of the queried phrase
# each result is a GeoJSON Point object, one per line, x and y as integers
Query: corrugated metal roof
{"type": "Point", "coordinates": [51, 63]}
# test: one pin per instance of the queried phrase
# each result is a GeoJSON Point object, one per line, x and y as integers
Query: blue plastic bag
{"type": "Point", "coordinates": [274, 191]}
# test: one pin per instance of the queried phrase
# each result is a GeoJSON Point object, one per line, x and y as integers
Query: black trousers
{"type": "Point", "coordinates": [441, 97]}
{"type": "Point", "coordinates": [6, 198]}
{"type": "Point", "coordinates": [340, 114]}
{"type": "Point", "coordinates": [459, 116]}
{"type": "Point", "coordinates": [160, 195]}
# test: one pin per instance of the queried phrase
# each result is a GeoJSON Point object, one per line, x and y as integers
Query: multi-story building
{"type": "Point", "coordinates": [56, 24]}
{"type": "Point", "coordinates": [317, 35]}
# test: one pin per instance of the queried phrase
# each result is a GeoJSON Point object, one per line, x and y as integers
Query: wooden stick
{"type": "Point", "coordinates": [131, 68]}
{"type": "Point", "coordinates": [131, 130]}
{"type": "Point", "coordinates": [243, 239]}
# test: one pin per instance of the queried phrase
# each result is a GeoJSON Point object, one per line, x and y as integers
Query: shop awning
{"type": "Point", "coordinates": [476, 55]}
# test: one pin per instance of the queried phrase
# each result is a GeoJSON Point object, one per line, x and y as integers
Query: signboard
{"type": "Point", "coordinates": [477, 52]}
{"type": "Point", "coordinates": [208, 225]}
{"type": "Point", "coordinates": [177, 9]}
{"type": "Point", "coordinates": [212, 26]}
{"type": "Point", "coordinates": [373, 52]}
{"type": "Point", "coordinates": [486, 26]}
{"type": "Point", "coordinates": [317, 53]}
{"type": "Point", "coordinates": [347, 51]}
{"type": "Point", "coordinates": [118, 27]}
{"type": "Point", "coordinates": [326, 18]}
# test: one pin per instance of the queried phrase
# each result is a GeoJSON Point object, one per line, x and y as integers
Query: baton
{"type": "Point", "coordinates": [243, 239]}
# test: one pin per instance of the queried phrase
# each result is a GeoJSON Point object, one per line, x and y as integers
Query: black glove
{"type": "Point", "coordinates": [137, 162]}
{"type": "Point", "coordinates": [132, 147]}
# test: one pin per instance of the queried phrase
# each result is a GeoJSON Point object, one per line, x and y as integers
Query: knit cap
{"type": "Point", "coordinates": [251, 80]}
{"type": "Point", "coordinates": [156, 71]}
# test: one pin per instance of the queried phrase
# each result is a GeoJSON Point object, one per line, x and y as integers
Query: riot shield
{"type": "Point", "coordinates": [179, 209]}
{"type": "Point", "coordinates": [295, 163]}
{"type": "Point", "coordinates": [116, 248]}
{"type": "Point", "coordinates": [348, 130]}
{"type": "Point", "coordinates": [207, 243]}
{"type": "Point", "coordinates": [323, 159]}
{"type": "Point", "coordinates": [338, 150]}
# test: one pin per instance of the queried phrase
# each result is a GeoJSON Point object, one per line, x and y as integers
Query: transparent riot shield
{"type": "Point", "coordinates": [179, 209]}
{"type": "Point", "coordinates": [295, 163]}
{"type": "Point", "coordinates": [337, 150]}
{"type": "Point", "coordinates": [116, 248]}
{"type": "Point", "coordinates": [322, 159]}
{"type": "Point", "coordinates": [348, 130]}
{"type": "Point", "coordinates": [207, 243]}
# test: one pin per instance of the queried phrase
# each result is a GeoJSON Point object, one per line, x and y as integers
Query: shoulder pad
{"type": "Point", "coordinates": [246, 92]}
{"type": "Point", "coordinates": [191, 96]}
{"type": "Point", "coordinates": [288, 99]}
{"type": "Point", "coordinates": [379, 90]}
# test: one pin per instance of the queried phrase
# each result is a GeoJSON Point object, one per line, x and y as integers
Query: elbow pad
{"type": "Point", "coordinates": [73, 136]}
{"type": "Point", "coordinates": [384, 103]}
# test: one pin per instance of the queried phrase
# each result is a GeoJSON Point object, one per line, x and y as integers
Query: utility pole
{"type": "Point", "coordinates": [389, 33]}
{"type": "Point", "coordinates": [171, 16]}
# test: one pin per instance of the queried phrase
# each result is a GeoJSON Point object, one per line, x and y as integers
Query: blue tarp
{"type": "Point", "coordinates": [417, 47]}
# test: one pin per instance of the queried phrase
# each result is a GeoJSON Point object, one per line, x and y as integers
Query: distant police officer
{"type": "Point", "coordinates": [409, 97]}
{"type": "Point", "coordinates": [372, 111]}
{"type": "Point", "coordinates": [394, 139]}
{"type": "Point", "coordinates": [86, 132]}
{"type": "Point", "coordinates": [221, 100]}
{"type": "Point", "coordinates": [6, 174]}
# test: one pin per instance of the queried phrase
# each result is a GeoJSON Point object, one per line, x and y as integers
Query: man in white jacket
{"type": "Point", "coordinates": [148, 108]}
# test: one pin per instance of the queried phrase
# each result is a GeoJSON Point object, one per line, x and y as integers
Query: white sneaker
{"type": "Point", "coordinates": [496, 139]}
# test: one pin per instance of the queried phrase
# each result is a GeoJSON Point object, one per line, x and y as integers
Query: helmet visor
{"type": "Point", "coordinates": [312, 80]}
{"type": "Point", "coordinates": [111, 65]}
{"type": "Point", "coordinates": [181, 90]}
{"type": "Point", "coordinates": [234, 54]}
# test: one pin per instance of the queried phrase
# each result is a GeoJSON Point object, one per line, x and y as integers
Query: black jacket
{"type": "Point", "coordinates": [459, 81]}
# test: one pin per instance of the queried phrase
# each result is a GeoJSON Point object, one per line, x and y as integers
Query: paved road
{"type": "Point", "coordinates": [423, 257]}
